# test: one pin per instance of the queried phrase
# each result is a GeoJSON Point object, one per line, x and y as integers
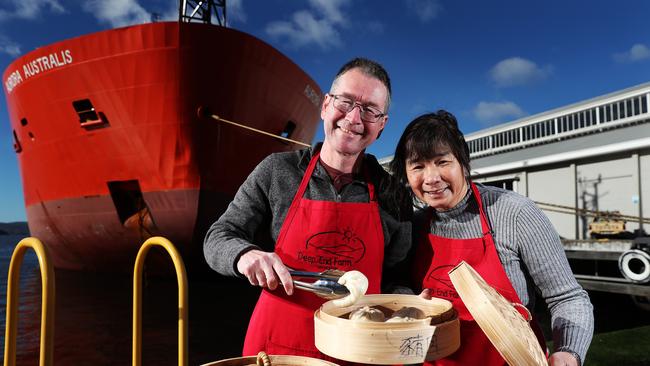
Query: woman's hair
{"type": "Point", "coordinates": [426, 137]}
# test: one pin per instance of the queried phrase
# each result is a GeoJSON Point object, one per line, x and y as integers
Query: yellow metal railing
{"type": "Point", "coordinates": [47, 301]}
{"type": "Point", "coordinates": [181, 277]}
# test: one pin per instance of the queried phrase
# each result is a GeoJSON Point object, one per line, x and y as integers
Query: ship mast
{"type": "Point", "coordinates": [202, 11]}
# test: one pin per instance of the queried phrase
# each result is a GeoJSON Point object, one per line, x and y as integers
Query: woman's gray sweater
{"type": "Point", "coordinates": [531, 254]}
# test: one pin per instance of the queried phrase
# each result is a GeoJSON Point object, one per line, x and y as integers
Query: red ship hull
{"type": "Point", "coordinates": [110, 146]}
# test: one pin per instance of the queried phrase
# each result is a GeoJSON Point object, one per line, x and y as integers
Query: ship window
{"type": "Point", "coordinates": [127, 198]}
{"type": "Point", "coordinates": [288, 129]}
{"type": "Point", "coordinates": [636, 105]}
{"type": "Point", "coordinates": [88, 116]}
{"type": "Point", "coordinates": [23, 122]}
{"type": "Point", "coordinates": [17, 146]}
{"type": "Point", "coordinates": [85, 110]}
{"type": "Point", "coordinates": [644, 105]}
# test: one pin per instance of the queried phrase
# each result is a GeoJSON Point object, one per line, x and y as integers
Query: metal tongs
{"type": "Point", "coordinates": [326, 284]}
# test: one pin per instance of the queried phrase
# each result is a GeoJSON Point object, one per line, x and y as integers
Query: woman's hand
{"type": "Point", "coordinates": [426, 294]}
{"type": "Point", "coordinates": [562, 359]}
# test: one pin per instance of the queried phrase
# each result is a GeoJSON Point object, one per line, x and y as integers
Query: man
{"type": "Point", "coordinates": [323, 208]}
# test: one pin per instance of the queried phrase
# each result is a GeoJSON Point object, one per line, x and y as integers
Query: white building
{"type": "Point", "coordinates": [592, 155]}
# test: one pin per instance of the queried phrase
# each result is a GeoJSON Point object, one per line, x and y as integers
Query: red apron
{"type": "Point", "coordinates": [437, 255]}
{"type": "Point", "coordinates": [315, 236]}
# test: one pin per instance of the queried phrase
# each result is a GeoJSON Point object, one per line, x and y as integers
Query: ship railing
{"type": "Point", "coordinates": [47, 302]}
{"type": "Point", "coordinates": [181, 277]}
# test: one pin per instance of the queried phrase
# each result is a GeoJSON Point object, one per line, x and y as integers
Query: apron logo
{"type": "Point", "coordinates": [334, 248]}
{"type": "Point", "coordinates": [439, 276]}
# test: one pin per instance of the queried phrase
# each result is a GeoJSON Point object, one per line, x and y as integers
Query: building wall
{"type": "Point", "coordinates": [555, 186]}
{"type": "Point", "coordinates": [621, 182]}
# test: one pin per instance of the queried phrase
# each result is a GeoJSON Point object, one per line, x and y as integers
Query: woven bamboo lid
{"type": "Point", "coordinates": [499, 319]}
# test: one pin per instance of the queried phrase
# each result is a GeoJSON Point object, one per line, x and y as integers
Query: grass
{"type": "Point", "coordinates": [629, 347]}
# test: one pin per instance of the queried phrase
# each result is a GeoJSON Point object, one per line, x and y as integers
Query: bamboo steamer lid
{"type": "Point", "coordinates": [384, 343]}
{"type": "Point", "coordinates": [262, 359]}
{"type": "Point", "coordinates": [499, 319]}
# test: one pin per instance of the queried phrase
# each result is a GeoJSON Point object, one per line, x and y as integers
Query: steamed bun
{"type": "Point", "coordinates": [406, 314]}
{"type": "Point", "coordinates": [367, 314]}
{"type": "Point", "coordinates": [357, 283]}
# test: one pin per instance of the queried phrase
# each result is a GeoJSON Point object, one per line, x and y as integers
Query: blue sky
{"type": "Point", "coordinates": [488, 62]}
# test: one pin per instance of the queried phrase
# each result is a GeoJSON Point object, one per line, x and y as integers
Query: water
{"type": "Point", "coordinates": [94, 312]}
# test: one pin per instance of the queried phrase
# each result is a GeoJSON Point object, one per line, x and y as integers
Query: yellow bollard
{"type": "Point", "coordinates": [181, 277]}
{"type": "Point", "coordinates": [47, 302]}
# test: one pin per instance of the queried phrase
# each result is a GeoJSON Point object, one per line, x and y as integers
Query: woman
{"type": "Point", "coordinates": [501, 234]}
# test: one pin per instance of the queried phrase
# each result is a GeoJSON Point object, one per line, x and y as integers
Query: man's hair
{"type": "Point", "coordinates": [369, 68]}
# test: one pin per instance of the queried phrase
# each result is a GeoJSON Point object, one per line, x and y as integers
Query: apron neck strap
{"type": "Point", "coordinates": [484, 223]}
{"type": "Point", "coordinates": [310, 170]}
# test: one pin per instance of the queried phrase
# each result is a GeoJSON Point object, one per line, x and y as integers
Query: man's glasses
{"type": "Point", "coordinates": [346, 105]}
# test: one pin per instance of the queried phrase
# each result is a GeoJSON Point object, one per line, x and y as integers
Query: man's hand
{"type": "Point", "coordinates": [265, 270]}
{"type": "Point", "coordinates": [562, 359]}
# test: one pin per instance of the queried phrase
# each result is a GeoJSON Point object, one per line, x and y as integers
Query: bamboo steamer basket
{"type": "Point", "coordinates": [390, 343]}
{"type": "Point", "coordinates": [262, 359]}
{"type": "Point", "coordinates": [499, 319]}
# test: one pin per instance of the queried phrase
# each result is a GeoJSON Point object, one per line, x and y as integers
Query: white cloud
{"type": "Point", "coordinates": [330, 9]}
{"type": "Point", "coordinates": [306, 28]}
{"type": "Point", "coordinates": [518, 71]}
{"type": "Point", "coordinates": [118, 13]}
{"type": "Point", "coordinates": [638, 52]}
{"type": "Point", "coordinates": [424, 9]}
{"type": "Point", "coordinates": [235, 12]}
{"type": "Point", "coordinates": [22, 9]}
{"type": "Point", "coordinates": [8, 46]}
{"type": "Point", "coordinates": [490, 113]}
